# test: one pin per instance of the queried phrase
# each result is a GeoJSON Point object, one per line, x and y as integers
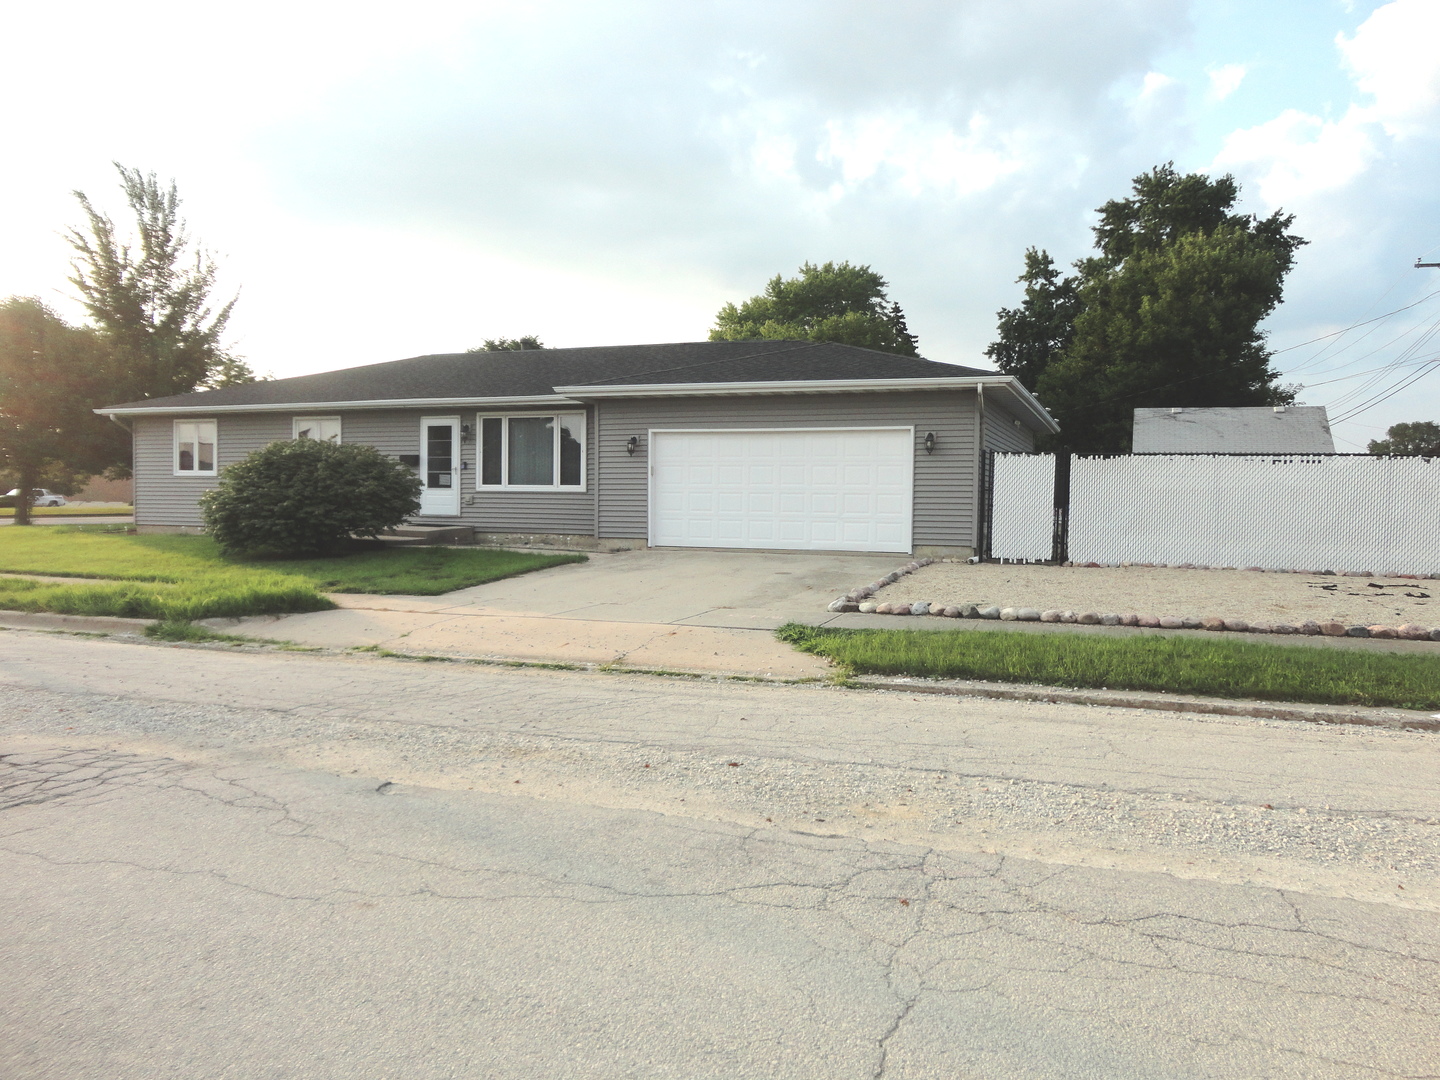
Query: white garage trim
{"type": "Point", "coordinates": [820, 520]}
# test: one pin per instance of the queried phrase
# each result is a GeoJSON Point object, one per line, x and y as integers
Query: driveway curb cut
{"type": "Point", "coordinates": [1316, 714]}
{"type": "Point", "coordinates": [92, 624]}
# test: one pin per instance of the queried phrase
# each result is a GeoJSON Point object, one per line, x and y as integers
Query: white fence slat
{"type": "Point", "coordinates": [1023, 516]}
{"type": "Point", "coordinates": [1280, 512]}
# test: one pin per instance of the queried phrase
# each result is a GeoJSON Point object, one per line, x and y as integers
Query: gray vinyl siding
{"type": "Point", "coordinates": [944, 481]}
{"type": "Point", "coordinates": [161, 498]}
{"type": "Point", "coordinates": [1001, 433]}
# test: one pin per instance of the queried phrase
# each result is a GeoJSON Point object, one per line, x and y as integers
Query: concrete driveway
{"type": "Point", "coordinates": [667, 609]}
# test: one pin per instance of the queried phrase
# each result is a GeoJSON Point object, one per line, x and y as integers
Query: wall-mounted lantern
{"type": "Point", "coordinates": [466, 434]}
{"type": "Point", "coordinates": [929, 442]}
{"type": "Point", "coordinates": [632, 445]}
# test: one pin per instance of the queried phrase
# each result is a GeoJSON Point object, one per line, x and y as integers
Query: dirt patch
{"type": "Point", "coordinates": [1233, 594]}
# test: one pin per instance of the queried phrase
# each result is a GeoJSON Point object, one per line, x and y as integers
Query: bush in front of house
{"type": "Point", "coordinates": [307, 497]}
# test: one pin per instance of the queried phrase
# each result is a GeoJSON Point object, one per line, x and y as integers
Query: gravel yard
{"type": "Point", "coordinates": [1239, 594]}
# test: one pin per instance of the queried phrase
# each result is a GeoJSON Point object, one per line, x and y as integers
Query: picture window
{"type": "Point", "coordinates": [546, 451]}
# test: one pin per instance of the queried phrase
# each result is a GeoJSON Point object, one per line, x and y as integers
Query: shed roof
{"type": "Point", "coordinates": [1294, 429]}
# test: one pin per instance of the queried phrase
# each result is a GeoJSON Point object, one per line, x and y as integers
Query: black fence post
{"type": "Point", "coordinates": [1060, 536]}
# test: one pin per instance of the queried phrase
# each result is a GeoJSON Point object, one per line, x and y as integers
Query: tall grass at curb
{"type": "Point", "coordinates": [203, 597]}
{"type": "Point", "coordinates": [1181, 665]}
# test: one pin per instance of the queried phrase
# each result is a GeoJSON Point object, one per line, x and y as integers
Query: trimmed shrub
{"type": "Point", "coordinates": [307, 497]}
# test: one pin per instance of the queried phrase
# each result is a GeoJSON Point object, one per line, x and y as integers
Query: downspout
{"type": "Point", "coordinates": [595, 443]}
{"type": "Point", "coordinates": [980, 494]}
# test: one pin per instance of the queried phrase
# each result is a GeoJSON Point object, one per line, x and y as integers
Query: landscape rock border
{"type": "Point", "coordinates": [862, 600]}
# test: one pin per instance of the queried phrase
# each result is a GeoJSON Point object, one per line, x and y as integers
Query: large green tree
{"type": "Point", "coordinates": [508, 344]}
{"type": "Point", "coordinates": [1165, 313]}
{"type": "Point", "coordinates": [52, 375]}
{"type": "Point", "coordinates": [833, 302]}
{"type": "Point", "coordinates": [1418, 439]}
{"type": "Point", "coordinates": [151, 295]}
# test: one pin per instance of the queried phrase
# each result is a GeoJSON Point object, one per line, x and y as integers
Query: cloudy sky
{"type": "Point", "coordinates": [387, 180]}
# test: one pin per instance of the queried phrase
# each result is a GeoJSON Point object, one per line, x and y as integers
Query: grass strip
{"type": "Point", "coordinates": [204, 597]}
{"type": "Point", "coordinates": [1177, 665]}
{"type": "Point", "coordinates": [111, 553]}
{"type": "Point", "coordinates": [61, 511]}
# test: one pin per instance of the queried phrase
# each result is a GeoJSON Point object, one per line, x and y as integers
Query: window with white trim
{"type": "Point", "coordinates": [533, 451]}
{"type": "Point", "coordinates": [320, 428]}
{"type": "Point", "coordinates": [194, 448]}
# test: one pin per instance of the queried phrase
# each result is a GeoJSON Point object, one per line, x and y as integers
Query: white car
{"type": "Point", "coordinates": [40, 495]}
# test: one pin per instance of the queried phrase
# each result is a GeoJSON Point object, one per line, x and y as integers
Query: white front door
{"type": "Point", "coordinates": [837, 489]}
{"type": "Point", "coordinates": [440, 466]}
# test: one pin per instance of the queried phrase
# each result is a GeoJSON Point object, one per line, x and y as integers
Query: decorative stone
{"type": "Point", "coordinates": [951, 612]}
{"type": "Point", "coordinates": [1027, 614]}
{"type": "Point", "coordinates": [1190, 622]}
{"type": "Point", "coordinates": [869, 607]}
{"type": "Point", "coordinates": [1109, 619]}
{"type": "Point", "coordinates": [885, 609]}
{"type": "Point", "coordinates": [990, 612]}
{"type": "Point", "coordinates": [1435, 634]}
{"type": "Point", "coordinates": [1357, 631]}
{"type": "Point", "coordinates": [899, 609]}
{"type": "Point", "coordinates": [1411, 632]}
{"type": "Point", "coordinates": [1009, 614]}
{"type": "Point", "coordinates": [920, 607]}
{"type": "Point", "coordinates": [1212, 622]}
{"type": "Point", "coordinates": [1152, 621]}
{"type": "Point", "coordinates": [1238, 626]}
{"type": "Point", "coordinates": [890, 579]}
{"type": "Point", "coordinates": [1284, 628]}
{"type": "Point", "coordinates": [1357, 573]}
{"type": "Point", "coordinates": [1332, 629]}
{"type": "Point", "coordinates": [969, 611]}
{"type": "Point", "coordinates": [1383, 631]}
{"type": "Point", "coordinates": [1091, 565]}
{"type": "Point", "coordinates": [1130, 619]}
{"type": "Point", "coordinates": [1068, 617]}
{"type": "Point", "coordinates": [1310, 626]}
{"type": "Point", "coordinates": [1259, 628]}
{"type": "Point", "coordinates": [837, 605]}
{"type": "Point", "coordinates": [1051, 615]}
{"type": "Point", "coordinates": [1171, 622]}
{"type": "Point", "coordinates": [1089, 618]}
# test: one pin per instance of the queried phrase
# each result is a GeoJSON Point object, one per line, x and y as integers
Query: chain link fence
{"type": "Point", "coordinates": [1276, 511]}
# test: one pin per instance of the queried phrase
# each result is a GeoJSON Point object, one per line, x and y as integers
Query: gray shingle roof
{"type": "Point", "coordinates": [536, 372]}
{"type": "Point", "coordinates": [1296, 429]}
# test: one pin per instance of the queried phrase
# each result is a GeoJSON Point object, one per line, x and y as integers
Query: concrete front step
{"type": "Point", "coordinates": [414, 535]}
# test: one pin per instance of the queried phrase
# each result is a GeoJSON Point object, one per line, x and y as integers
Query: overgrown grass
{"type": "Point", "coordinates": [185, 577]}
{"type": "Point", "coordinates": [1186, 665]}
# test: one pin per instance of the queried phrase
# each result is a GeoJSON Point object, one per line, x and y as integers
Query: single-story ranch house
{"type": "Point", "coordinates": [716, 444]}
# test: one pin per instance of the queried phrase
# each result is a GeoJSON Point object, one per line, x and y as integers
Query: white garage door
{"type": "Point", "coordinates": [830, 490]}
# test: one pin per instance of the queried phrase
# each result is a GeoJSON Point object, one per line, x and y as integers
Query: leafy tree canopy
{"type": "Point", "coordinates": [1164, 314]}
{"type": "Point", "coordinates": [51, 375]}
{"type": "Point", "coordinates": [1419, 439]}
{"type": "Point", "coordinates": [833, 302]}
{"type": "Point", "coordinates": [507, 344]}
{"type": "Point", "coordinates": [150, 296]}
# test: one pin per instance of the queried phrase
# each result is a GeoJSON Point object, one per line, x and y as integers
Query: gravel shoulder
{"type": "Point", "coordinates": [1238, 594]}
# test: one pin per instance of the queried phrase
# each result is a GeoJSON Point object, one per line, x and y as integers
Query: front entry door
{"type": "Point", "coordinates": [440, 466]}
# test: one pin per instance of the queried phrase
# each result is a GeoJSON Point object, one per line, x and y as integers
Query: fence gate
{"type": "Point", "coordinates": [1020, 520]}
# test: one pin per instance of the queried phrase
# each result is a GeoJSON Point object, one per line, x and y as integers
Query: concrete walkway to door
{"type": "Point", "coordinates": [668, 609]}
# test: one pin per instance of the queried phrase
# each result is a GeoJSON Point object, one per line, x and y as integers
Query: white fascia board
{"type": "Point", "coordinates": [818, 386]}
{"type": "Point", "coordinates": [335, 406]}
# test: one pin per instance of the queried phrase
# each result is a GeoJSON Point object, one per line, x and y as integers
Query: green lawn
{"type": "Point", "coordinates": [185, 577]}
{"type": "Point", "coordinates": [69, 511]}
{"type": "Point", "coordinates": [1188, 665]}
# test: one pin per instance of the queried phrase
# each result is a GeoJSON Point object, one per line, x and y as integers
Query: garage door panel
{"type": "Point", "coordinates": [835, 489]}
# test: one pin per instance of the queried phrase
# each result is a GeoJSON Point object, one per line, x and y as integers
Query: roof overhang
{"type": "Point", "coordinates": [542, 400]}
{"type": "Point", "coordinates": [1007, 383]}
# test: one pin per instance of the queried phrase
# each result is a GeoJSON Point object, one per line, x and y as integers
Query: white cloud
{"type": "Point", "coordinates": [1393, 60]}
{"type": "Point", "coordinates": [1225, 80]}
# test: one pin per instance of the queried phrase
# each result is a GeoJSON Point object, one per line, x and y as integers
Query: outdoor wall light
{"type": "Point", "coordinates": [632, 445]}
{"type": "Point", "coordinates": [929, 442]}
{"type": "Point", "coordinates": [465, 433]}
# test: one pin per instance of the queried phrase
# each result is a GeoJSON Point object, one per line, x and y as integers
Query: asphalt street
{"type": "Point", "coordinates": [256, 864]}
